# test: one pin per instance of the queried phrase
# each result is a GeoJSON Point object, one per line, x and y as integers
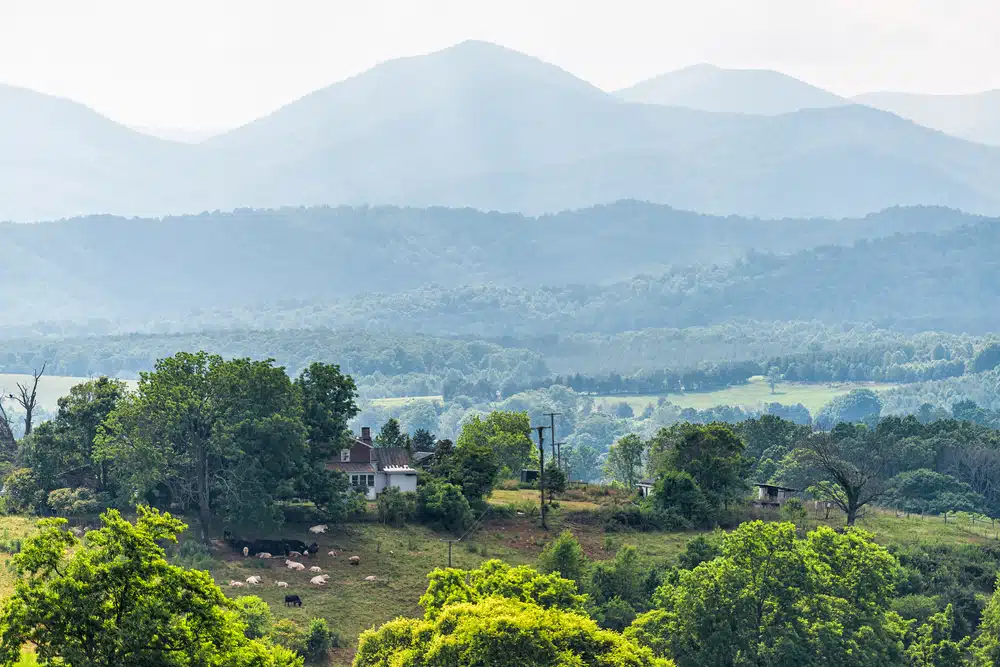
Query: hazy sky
{"type": "Point", "coordinates": [215, 63]}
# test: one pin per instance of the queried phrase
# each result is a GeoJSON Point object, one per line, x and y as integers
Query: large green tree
{"type": "Point", "coordinates": [850, 466]}
{"type": "Point", "coordinates": [114, 601]}
{"type": "Point", "coordinates": [61, 452]}
{"type": "Point", "coordinates": [712, 454]}
{"type": "Point", "coordinates": [508, 434]}
{"type": "Point", "coordinates": [624, 463]}
{"type": "Point", "coordinates": [773, 600]}
{"type": "Point", "coordinates": [500, 632]}
{"type": "Point", "coordinates": [224, 438]}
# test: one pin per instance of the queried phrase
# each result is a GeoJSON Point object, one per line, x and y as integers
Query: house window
{"type": "Point", "coordinates": [362, 480]}
{"type": "Point", "coordinates": [345, 456]}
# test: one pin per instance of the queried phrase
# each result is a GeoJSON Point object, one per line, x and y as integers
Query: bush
{"type": "Point", "coordinates": [194, 555]}
{"type": "Point", "coordinates": [678, 494]}
{"type": "Point", "coordinates": [287, 633]}
{"type": "Point", "coordinates": [566, 557]}
{"type": "Point", "coordinates": [256, 614]}
{"type": "Point", "coordinates": [317, 642]}
{"type": "Point", "coordinates": [24, 493]}
{"type": "Point", "coordinates": [700, 550]}
{"type": "Point", "coordinates": [394, 506]}
{"type": "Point", "coordinates": [615, 614]}
{"type": "Point", "coordinates": [443, 504]}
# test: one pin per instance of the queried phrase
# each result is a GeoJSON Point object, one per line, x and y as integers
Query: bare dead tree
{"type": "Point", "coordinates": [7, 442]}
{"type": "Point", "coordinates": [27, 398]}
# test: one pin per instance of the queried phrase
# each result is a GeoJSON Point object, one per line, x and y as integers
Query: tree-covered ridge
{"type": "Point", "coordinates": [316, 257]}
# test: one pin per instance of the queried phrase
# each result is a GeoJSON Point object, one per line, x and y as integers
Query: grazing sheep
{"type": "Point", "coordinates": [355, 560]}
{"type": "Point", "coordinates": [293, 600]}
{"type": "Point", "coordinates": [264, 554]}
{"type": "Point", "coordinates": [371, 577]}
{"type": "Point", "coordinates": [320, 580]}
{"type": "Point", "coordinates": [282, 584]}
{"type": "Point", "coordinates": [294, 554]}
{"type": "Point", "coordinates": [332, 552]}
{"type": "Point", "coordinates": [237, 584]}
{"type": "Point", "coordinates": [316, 530]}
{"type": "Point", "coordinates": [246, 551]}
{"type": "Point", "coordinates": [315, 568]}
{"type": "Point", "coordinates": [298, 567]}
{"type": "Point", "coordinates": [253, 580]}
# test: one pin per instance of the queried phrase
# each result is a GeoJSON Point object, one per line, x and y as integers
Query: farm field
{"type": "Point", "coordinates": [50, 388]}
{"type": "Point", "coordinates": [812, 395]}
{"type": "Point", "coordinates": [400, 558]}
{"type": "Point", "coordinates": [403, 400]}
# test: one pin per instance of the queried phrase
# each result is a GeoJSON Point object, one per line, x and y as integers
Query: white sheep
{"type": "Point", "coordinates": [282, 584]}
{"type": "Point", "coordinates": [294, 554]}
{"type": "Point", "coordinates": [332, 552]}
{"type": "Point", "coordinates": [237, 584]}
{"type": "Point", "coordinates": [253, 580]}
{"type": "Point", "coordinates": [371, 577]}
{"type": "Point", "coordinates": [263, 554]}
{"type": "Point", "coordinates": [246, 552]}
{"type": "Point", "coordinates": [316, 530]}
{"type": "Point", "coordinates": [320, 580]}
{"type": "Point", "coordinates": [315, 568]}
{"type": "Point", "coordinates": [298, 567]}
{"type": "Point", "coordinates": [355, 560]}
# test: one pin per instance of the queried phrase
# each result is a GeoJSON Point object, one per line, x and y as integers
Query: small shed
{"type": "Point", "coordinates": [645, 487]}
{"type": "Point", "coordinates": [772, 496]}
{"type": "Point", "coordinates": [529, 476]}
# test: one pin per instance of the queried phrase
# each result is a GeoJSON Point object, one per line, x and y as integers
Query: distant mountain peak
{"type": "Point", "coordinates": [708, 87]}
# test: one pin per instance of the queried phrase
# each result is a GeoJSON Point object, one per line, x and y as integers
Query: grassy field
{"type": "Point", "coordinates": [395, 402]}
{"type": "Point", "coordinates": [400, 558]}
{"type": "Point", "coordinates": [813, 396]}
{"type": "Point", "coordinates": [50, 388]}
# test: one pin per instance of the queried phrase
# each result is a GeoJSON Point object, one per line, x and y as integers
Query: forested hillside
{"type": "Point", "coordinates": [201, 271]}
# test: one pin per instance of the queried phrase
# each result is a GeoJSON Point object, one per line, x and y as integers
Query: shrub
{"type": "Point", "coordinates": [317, 642]}
{"type": "Point", "coordinates": [73, 502]}
{"type": "Point", "coordinates": [287, 633]}
{"type": "Point", "coordinates": [442, 503]}
{"type": "Point", "coordinates": [615, 614]}
{"type": "Point", "coordinates": [565, 556]}
{"type": "Point", "coordinates": [700, 550]}
{"type": "Point", "coordinates": [394, 506]}
{"type": "Point", "coordinates": [256, 614]}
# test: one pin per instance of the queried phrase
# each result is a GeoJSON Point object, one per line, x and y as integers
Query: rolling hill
{"type": "Point", "coordinates": [711, 88]}
{"type": "Point", "coordinates": [201, 270]}
{"type": "Point", "coordinates": [975, 117]}
{"type": "Point", "coordinates": [481, 126]}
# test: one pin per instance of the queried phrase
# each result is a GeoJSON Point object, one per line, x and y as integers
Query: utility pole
{"type": "Point", "coordinates": [541, 469]}
{"type": "Point", "coordinates": [450, 542]}
{"type": "Point", "coordinates": [556, 446]}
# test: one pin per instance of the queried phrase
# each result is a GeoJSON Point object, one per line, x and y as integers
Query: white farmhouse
{"type": "Point", "coordinates": [375, 468]}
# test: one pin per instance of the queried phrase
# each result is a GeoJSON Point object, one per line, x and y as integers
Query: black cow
{"type": "Point", "coordinates": [293, 601]}
{"type": "Point", "coordinates": [311, 549]}
{"type": "Point", "coordinates": [296, 545]}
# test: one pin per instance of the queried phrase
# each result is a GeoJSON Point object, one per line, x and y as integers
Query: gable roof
{"type": "Point", "coordinates": [386, 457]}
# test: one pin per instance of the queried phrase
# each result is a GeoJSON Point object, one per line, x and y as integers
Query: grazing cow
{"type": "Point", "coordinates": [282, 584]}
{"type": "Point", "coordinates": [293, 601]}
{"type": "Point", "coordinates": [237, 584]}
{"type": "Point", "coordinates": [253, 580]}
{"type": "Point", "coordinates": [246, 551]}
{"type": "Point", "coordinates": [312, 549]}
{"type": "Point", "coordinates": [332, 552]}
{"type": "Point", "coordinates": [264, 554]}
{"type": "Point", "coordinates": [355, 560]}
{"type": "Point", "coordinates": [316, 568]}
{"type": "Point", "coordinates": [371, 577]}
{"type": "Point", "coordinates": [320, 580]}
{"type": "Point", "coordinates": [318, 529]}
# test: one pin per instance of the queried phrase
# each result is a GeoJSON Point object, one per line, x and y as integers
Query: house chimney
{"type": "Point", "coordinates": [366, 435]}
